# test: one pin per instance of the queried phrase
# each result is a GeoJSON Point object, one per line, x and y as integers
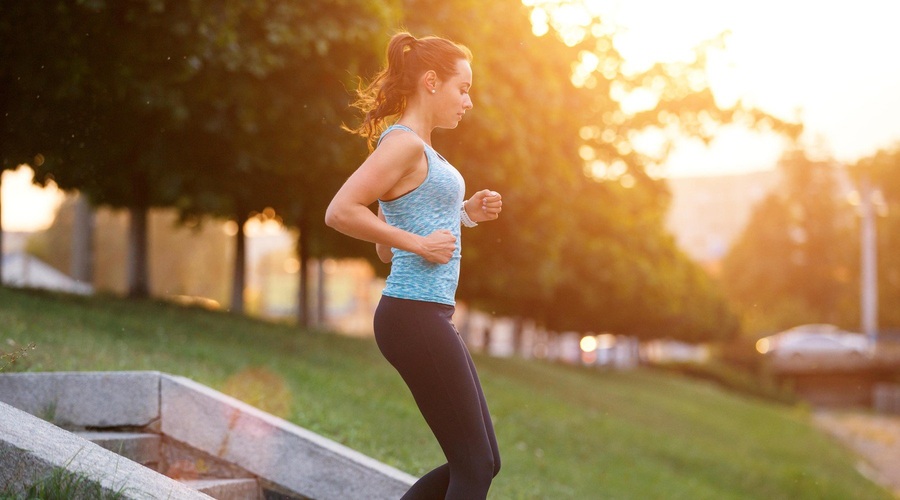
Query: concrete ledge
{"type": "Point", "coordinates": [284, 454]}
{"type": "Point", "coordinates": [227, 489]}
{"type": "Point", "coordinates": [32, 449]}
{"type": "Point", "coordinates": [143, 448]}
{"type": "Point", "coordinates": [85, 399]}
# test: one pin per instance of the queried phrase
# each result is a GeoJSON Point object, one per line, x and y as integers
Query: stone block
{"type": "Point", "coordinates": [227, 489]}
{"type": "Point", "coordinates": [32, 449]}
{"type": "Point", "coordinates": [142, 448]}
{"type": "Point", "coordinates": [85, 399]}
{"type": "Point", "coordinates": [286, 455]}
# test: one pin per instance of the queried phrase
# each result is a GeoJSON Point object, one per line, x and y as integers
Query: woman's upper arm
{"type": "Point", "coordinates": [384, 168]}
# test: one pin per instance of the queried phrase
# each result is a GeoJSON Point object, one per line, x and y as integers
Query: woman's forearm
{"type": "Point", "coordinates": [359, 222]}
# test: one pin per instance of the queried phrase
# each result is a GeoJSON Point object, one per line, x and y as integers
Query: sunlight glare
{"type": "Point", "coordinates": [573, 20]}
{"type": "Point", "coordinates": [583, 71]}
{"type": "Point", "coordinates": [588, 343]}
{"type": "Point", "coordinates": [606, 341]}
{"type": "Point", "coordinates": [763, 346]}
{"type": "Point", "coordinates": [27, 206]}
{"type": "Point", "coordinates": [586, 152]}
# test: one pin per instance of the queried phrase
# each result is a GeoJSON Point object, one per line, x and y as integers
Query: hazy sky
{"type": "Point", "coordinates": [834, 63]}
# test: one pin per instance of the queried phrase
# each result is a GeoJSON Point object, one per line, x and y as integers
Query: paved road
{"type": "Point", "coordinates": [875, 439]}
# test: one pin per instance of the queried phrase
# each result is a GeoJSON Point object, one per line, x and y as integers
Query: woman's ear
{"type": "Point", "coordinates": [430, 79]}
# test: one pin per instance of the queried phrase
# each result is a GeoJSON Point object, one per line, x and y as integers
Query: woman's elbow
{"type": "Point", "coordinates": [332, 217]}
{"type": "Point", "coordinates": [384, 255]}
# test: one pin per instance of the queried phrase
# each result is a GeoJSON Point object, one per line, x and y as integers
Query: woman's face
{"type": "Point", "coordinates": [452, 96]}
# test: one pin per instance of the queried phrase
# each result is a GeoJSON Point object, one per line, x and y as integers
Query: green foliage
{"type": "Point", "coordinates": [581, 243]}
{"type": "Point", "coordinates": [797, 259]}
{"type": "Point", "coordinates": [226, 107]}
{"type": "Point", "coordinates": [564, 432]}
{"type": "Point", "coordinates": [61, 484]}
{"type": "Point", "coordinates": [211, 107]}
{"type": "Point", "coordinates": [883, 171]}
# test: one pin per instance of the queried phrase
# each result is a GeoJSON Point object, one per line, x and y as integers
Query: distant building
{"type": "Point", "coordinates": [15, 241]}
{"type": "Point", "coordinates": [22, 270]}
{"type": "Point", "coordinates": [708, 213]}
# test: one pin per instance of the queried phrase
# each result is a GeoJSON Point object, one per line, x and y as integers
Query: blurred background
{"type": "Point", "coordinates": [680, 180]}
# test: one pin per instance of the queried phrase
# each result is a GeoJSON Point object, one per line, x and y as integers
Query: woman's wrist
{"type": "Point", "coordinates": [464, 216]}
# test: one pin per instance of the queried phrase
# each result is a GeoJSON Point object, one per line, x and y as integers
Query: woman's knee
{"type": "Point", "coordinates": [482, 471]}
{"type": "Point", "coordinates": [496, 465]}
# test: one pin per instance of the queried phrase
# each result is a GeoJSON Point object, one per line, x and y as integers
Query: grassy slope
{"type": "Point", "coordinates": [564, 432]}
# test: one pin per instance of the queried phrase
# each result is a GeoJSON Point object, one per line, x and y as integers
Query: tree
{"type": "Point", "coordinates": [883, 171]}
{"type": "Point", "coordinates": [18, 77]}
{"type": "Point", "coordinates": [99, 101]}
{"type": "Point", "coordinates": [186, 259]}
{"type": "Point", "coordinates": [581, 241]}
{"type": "Point", "coordinates": [269, 118]}
{"type": "Point", "coordinates": [796, 260]}
{"type": "Point", "coordinates": [218, 107]}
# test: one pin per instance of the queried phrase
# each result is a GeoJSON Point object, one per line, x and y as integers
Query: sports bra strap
{"type": "Point", "coordinates": [392, 127]}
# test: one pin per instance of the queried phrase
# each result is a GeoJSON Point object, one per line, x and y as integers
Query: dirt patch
{"type": "Point", "coordinates": [875, 439]}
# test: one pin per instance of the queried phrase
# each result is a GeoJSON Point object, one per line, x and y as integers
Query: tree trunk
{"type": "Point", "coordinates": [321, 304]}
{"type": "Point", "coordinates": [1, 229]}
{"type": "Point", "coordinates": [486, 339]}
{"type": "Point", "coordinates": [517, 335]}
{"type": "Point", "coordinates": [138, 281]}
{"type": "Point", "coordinates": [82, 267]}
{"type": "Point", "coordinates": [239, 276]}
{"type": "Point", "coordinates": [465, 327]}
{"type": "Point", "coordinates": [303, 290]}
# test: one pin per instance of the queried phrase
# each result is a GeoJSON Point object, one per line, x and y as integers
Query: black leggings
{"type": "Point", "coordinates": [420, 341]}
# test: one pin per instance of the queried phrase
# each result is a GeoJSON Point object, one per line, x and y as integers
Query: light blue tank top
{"type": "Point", "coordinates": [433, 205]}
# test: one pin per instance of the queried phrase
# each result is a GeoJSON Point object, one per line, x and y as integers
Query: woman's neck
{"type": "Point", "coordinates": [417, 123]}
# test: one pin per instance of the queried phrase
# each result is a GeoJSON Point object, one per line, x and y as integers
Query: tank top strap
{"type": "Point", "coordinates": [393, 127]}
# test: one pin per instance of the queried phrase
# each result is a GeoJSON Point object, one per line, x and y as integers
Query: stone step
{"type": "Point", "coordinates": [204, 433]}
{"type": "Point", "coordinates": [144, 448]}
{"type": "Point", "coordinates": [226, 489]}
{"type": "Point", "coordinates": [140, 447]}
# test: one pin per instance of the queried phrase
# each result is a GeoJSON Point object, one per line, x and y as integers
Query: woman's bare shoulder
{"type": "Point", "coordinates": [402, 143]}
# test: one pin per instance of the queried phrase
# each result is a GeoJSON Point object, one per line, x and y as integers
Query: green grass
{"type": "Point", "coordinates": [564, 432]}
{"type": "Point", "coordinates": [61, 484]}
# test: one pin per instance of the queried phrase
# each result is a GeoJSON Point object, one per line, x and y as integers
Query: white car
{"type": "Point", "coordinates": [814, 340]}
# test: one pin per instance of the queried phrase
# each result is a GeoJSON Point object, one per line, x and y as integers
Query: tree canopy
{"type": "Point", "coordinates": [581, 243]}
{"type": "Point", "coordinates": [226, 108]}
{"type": "Point", "coordinates": [797, 259]}
{"type": "Point", "coordinates": [882, 170]}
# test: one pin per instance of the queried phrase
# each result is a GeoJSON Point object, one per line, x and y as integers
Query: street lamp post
{"type": "Point", "coordinates": [869, 271]}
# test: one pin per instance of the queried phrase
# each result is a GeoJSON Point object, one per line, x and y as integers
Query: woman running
{"type": "Point", "coordinates": [421, 206]}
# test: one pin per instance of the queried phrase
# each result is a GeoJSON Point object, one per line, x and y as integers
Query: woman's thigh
{"type": "Point", "coordinates": [425, 348]}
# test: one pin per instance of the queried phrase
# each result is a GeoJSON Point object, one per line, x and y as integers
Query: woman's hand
{"type": "Point", "coordinates": [484, 205]}
{"type": "Point", "coordinates": [438, 247]}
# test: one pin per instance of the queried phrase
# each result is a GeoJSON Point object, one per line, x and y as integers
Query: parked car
{"type": "Point", "coordinates": [814, 340]}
